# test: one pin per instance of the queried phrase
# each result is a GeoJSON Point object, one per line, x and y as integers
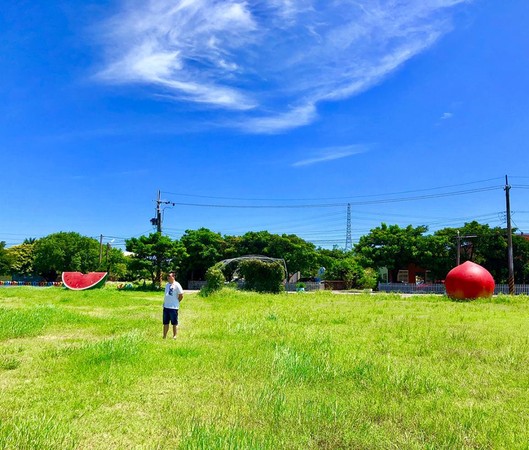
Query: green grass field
{"type": "Point", "coordinates": [89, 370]}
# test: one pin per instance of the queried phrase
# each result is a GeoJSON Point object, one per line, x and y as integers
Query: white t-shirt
{"type": "Point", "coordinates": [172, 291]}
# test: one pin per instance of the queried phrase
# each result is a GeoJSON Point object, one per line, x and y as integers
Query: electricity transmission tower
{"type": "Point", "coordinates": [348, 240]}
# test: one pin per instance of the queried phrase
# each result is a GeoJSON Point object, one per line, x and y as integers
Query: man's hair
{"type": "Point", "coordinates": [171, 273]}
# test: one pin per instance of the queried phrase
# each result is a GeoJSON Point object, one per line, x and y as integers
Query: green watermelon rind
{"type": "Point", "coordinates": [100, 282]}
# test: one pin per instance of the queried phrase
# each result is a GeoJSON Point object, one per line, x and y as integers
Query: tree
{"type": "Point", "coordinates": [521, 258]}
{"type": "Point", "coordinates": [391, 246]}
{"type": "Point", "coordinates": [478, 243]}
{"type": "Point", "coordinates": [4, 259]}
{"type": "Point", "coordinates": [326, 257]}
{"type": "Point", "coordinates": [65, 251]}
{"type": "Point", "coordinates": [21, 259]}
{"type": "Point", "coordinates": [203, 248]}
{"type": "Point", "coordinates": [116, 264]}
{"type": "Point", "coordinates": [298, 254]}
{"type": "Point", "coordinates": [346, 267]}
{"type": "Point", "coordinates": [489, 248]}
{"type": "Point", "coordinates": [154, 254]}
{"type": "Point", "coordinates": [436, 254]}
{"type": "Point", "coordinates": [347, 270]}
{"type": "Point", "coordinates": [254, 243]}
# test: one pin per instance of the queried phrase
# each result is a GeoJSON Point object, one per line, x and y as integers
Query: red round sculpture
{"type": "Point", "coordinates": [469, 281]}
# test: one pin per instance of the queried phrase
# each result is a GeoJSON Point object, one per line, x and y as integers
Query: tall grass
{"type": "Point", "coordinates": [249, 371]}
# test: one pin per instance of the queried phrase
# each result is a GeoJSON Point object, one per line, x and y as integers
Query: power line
{"type": "Point", "coordinates": [332, 198]}
{"type": "Point", "coordinates": [336, 205]}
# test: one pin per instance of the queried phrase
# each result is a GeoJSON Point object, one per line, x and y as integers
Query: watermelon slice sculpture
{"type": "Point", "coordinates": [78, 281]}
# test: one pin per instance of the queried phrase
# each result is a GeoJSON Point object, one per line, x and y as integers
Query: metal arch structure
{"type": "Point", "coordinates": [269, 259]}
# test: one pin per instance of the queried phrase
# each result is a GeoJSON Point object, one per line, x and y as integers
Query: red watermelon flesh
{"type": "Point", "coordinates": [78, 281]}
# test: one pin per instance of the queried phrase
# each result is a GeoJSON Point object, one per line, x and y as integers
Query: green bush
{"type": "Point", "coordinates": [214, 280]}
{"type": "Point", "coordinates": [352, 273]}
{"type": "Point", "coordinates": [261, 276]}
{"type": "Point", "coordinates": [369, 279]}
{"type": "Point", "coordinates": [347, 270]}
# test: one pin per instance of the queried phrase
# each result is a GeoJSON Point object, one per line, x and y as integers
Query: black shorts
{"type": "Point", "coordinates": [170, 315]}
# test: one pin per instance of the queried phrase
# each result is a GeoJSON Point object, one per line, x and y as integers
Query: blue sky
{"type": "Point", "coordinates": [261, 115]}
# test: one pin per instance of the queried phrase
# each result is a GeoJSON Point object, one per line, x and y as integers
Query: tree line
{"type": "Point", "coordinates": [389, 246]}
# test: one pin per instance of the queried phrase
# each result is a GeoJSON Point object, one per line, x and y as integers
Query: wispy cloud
{"type": "Point", "coordinates": [262, 59]}
{"type": "Point", "coordinates": [447, 115]}
{"type": "Point", "coordinates": [294, 117]}
{"type": "Point", "coordinates": [330, 154]}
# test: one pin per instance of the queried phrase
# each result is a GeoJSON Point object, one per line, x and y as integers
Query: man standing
{"type": "Point", "coordinates": [173, 296]}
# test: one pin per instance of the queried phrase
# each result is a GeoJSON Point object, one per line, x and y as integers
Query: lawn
{"type": "Point", "coordinates": [89, 370]}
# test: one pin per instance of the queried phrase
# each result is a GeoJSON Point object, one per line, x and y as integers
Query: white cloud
{"type": "Point", "coordinates": [275, 123]}
{"type": "Point", "coordinates": [330, 154]}
{"type": "Point", "coordinates": [264, 56]}
{"type": "Point", "coordinates": [447, 115]}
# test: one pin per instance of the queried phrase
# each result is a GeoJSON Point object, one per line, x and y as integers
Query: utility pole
{"type": "Point", "coordinates": [158, 222]}
{"type": "Point", "coordinates": [459, 237]}
{"type": "Point", "coordinates": [458, 258]}
{"type": "Point", "coordinates": [510, 257]}
{"type": "Point", "coordinates": [100, 248]}
{"type": "Point", "coordinates": [158, 213]}
{"type": "Point", "coordinates": [108, 263]}
{"type": "Point", "coordinates": [158, 219]}
{"type": "Point", "coordinates": [159, 230]}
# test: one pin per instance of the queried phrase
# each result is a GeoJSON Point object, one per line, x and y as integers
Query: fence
{"type": "Point", "coordinates": [289, 287]}
{"type": "Point", "coordinates": [195, 285]}
{"type": "Point", "coordinates": [410, 288]}
{"type": "Point", "coordinates": [518, 289]}
{"type": "Point", "coordinates": [309, 286]}
{"type": "Point", "coordinates": [31, 283]}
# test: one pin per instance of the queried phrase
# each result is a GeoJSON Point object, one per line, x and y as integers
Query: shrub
{"type": "Point", "coordinates": [351, 272]}
{"type": "Point", "coordinates": [214, 280]}
{"type": "Point", "coordinates": [347, 270]}
{"type": "Point", "coordinates": [261, 276]}
{"type": "Point", "coordinates": [369, 279]}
